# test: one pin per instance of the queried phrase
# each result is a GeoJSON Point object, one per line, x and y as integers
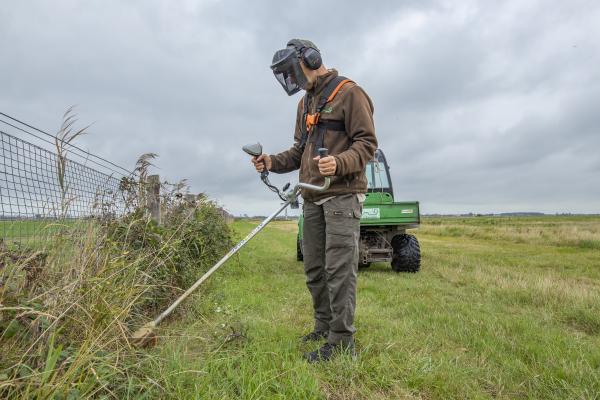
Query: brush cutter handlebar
{"type": "Point", "coordinates": [316, 188]}
{"type": "Point", "coordinates": [292, 195]}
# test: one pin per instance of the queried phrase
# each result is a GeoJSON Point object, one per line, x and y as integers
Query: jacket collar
{"type": "Point", "coordinates": [321, 82]}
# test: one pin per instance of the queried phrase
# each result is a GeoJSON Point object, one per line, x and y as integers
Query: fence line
{"type": "Point", "coordinates": [40, 188]}
{"type": "Point", "coordinates": [71, 146]}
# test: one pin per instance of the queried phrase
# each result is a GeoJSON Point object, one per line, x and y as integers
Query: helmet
{"type": "Point", "coordinates": [286, 64]}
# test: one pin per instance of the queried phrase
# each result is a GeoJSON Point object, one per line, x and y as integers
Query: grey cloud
{"type": "Point", "coordinates": [479, 106]}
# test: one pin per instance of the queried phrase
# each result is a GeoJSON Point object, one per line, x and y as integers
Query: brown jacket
{"type": "Point", "coordinates": [352, 150]}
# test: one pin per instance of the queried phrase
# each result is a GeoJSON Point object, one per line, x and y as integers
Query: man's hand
{"type": "Point", "coordinates": [261, 161]}
{"type": "Point", "coordinates": [327, 165]}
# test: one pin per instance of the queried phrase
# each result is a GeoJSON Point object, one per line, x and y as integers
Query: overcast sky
{"type": "Point", "coordinates": [479, 106]}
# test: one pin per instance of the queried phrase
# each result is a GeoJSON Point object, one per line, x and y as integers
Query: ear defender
{"type": "Point", "coordinates": [310, 56]}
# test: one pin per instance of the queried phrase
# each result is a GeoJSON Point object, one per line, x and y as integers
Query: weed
{"type": "Point", "coordinates": [66, 314]}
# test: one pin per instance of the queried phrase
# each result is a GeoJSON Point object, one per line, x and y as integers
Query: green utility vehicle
{"type": "Point", "coordinates": [384, 222]}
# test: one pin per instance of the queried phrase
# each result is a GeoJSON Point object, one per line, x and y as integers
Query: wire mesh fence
{"type": "Point", "coordinates": [43, 191]}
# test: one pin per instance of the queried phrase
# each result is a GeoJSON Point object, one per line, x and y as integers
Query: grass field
{"type": "Point", "coordinates": [503, 308]}
{"type": "Point", "coordinates": [34, 232]}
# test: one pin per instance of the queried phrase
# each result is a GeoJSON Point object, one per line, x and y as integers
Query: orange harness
{"type": "Point", "coordinates": [312, 120]}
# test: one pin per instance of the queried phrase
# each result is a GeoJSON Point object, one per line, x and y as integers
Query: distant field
{"type": "Point", "coordinates": [580, 231]}
{"type": "Point", "coordinates": [29, 231]}
{"type": "Point", "coordinates": [503, 308]}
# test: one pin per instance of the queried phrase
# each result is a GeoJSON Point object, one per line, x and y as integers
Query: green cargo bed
{"type": "Point", "coordinates": [380, 209]}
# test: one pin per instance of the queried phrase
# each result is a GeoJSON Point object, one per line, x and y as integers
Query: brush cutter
{"type": "Point", "coordinates": [145, 335]}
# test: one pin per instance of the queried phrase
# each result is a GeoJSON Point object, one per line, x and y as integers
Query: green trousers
{"type": "Point", "coordinates": [330, 246]}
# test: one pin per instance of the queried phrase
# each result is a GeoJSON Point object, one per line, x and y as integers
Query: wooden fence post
{"type": "Point", "coordinates": [153, 197]}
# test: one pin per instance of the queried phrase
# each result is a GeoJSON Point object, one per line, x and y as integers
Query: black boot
{"type": "Point", "coordinates": [328, 351]}
{"type": "Point", "coordinates": [314, 336]}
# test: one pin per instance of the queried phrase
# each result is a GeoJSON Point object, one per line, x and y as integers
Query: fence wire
{"type": "Point", "coordinates": [42, 191]}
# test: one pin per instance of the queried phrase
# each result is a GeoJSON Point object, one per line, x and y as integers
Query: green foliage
{"type": "Point", "coordinates": [188, 242]}
{"type": "Point", "coordinates": [502, 308]}
{"type": "Point", "coordinates": [66, 314]}
{"type": "Point", "coordinates": [485, 318]}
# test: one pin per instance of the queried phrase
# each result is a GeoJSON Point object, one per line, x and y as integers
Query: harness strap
{"type": "Point", "coordinates": [303, 124]}
{"type": "Point", "coordinates": [312, 120]}
{"type": "Point", "coordinates": [338, 126]}
{"type": "Point", "coordinates": [329, 93]}
{"type": "Point", "coordinates": [337, 89]}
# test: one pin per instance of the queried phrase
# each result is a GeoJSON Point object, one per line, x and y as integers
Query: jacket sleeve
{"type": "Point", "coordinates": [289, 160]}
{"type": "Point", "coordinates": [358, 118]}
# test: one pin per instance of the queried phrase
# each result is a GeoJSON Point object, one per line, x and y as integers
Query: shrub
{"type": "Point", "coordinates": [67, 312]}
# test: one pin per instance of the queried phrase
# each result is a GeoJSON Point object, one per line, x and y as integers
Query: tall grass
{"type": "Point", "coordinates": [67, 313]}
{"type": "Point", "coordinates": [69, 303]}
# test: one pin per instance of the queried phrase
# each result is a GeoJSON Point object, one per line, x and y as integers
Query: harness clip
{"type": "Point", "coordinates": [311, 120]}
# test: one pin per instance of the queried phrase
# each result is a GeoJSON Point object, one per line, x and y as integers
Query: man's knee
{"type": "Point", "coordinates": [314, 275]}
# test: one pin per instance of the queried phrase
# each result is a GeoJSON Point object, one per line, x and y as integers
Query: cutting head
{"type": "Point", "coordinates": [253, 149]}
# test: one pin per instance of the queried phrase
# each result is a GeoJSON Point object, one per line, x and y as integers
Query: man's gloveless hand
{"type": "Point", "coordinates": [327, 165]}
{"type": "Point", "coordinates": [261, 161]}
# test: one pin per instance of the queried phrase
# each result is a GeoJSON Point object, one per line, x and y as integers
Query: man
{"type": "Point", "coordinates": [337, 114]}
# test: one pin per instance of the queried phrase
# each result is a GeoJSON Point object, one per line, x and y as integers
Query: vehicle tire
{"type": "Point", "coordinates": [299, 255]}
{"type": "Point", "coordinates": [407, 253]}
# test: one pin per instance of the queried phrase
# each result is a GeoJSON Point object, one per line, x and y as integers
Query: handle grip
{"type": "Point", "coordinates": [323, 152]}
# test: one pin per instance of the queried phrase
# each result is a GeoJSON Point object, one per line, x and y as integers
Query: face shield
{"type": "Point", "coordinates": [287, 70]}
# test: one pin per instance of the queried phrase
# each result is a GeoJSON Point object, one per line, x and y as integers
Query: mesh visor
{"type": "Point", "coordinates": [288, 72]}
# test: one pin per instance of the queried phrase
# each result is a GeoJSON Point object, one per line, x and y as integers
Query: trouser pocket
{"type": "Point", "coordinates": [342, 221]}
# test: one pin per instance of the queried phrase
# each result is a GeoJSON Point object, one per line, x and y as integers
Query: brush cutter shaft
{"type": "Point", "coordinates": [145, 335]}
{"type": "Point", "coordinates": [293, 195]}
{"type": "Point", "coordinates": [219, 264]}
